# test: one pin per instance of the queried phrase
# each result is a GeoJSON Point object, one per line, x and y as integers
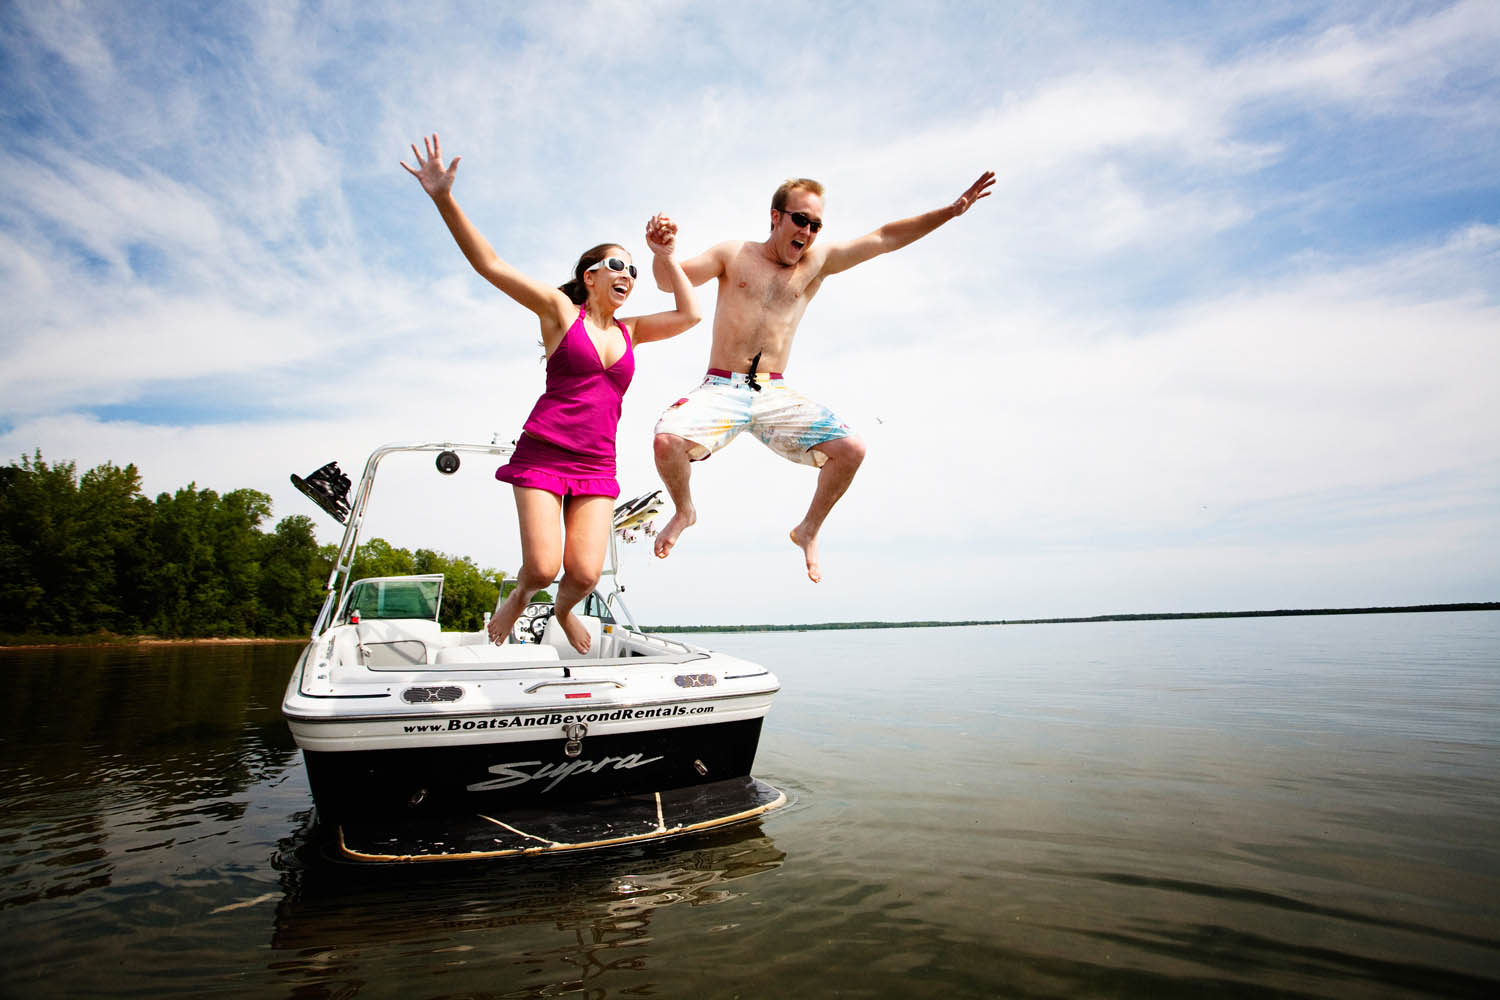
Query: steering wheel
{"type": "Point", "coordinates": [532, 623]}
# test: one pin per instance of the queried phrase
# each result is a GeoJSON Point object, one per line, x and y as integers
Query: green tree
{"type": "Point", "coordinates": [236, 542]}
{"type": "Point", "coordinates": [468, 592]}
{"type": "Point", "coordinates": [114, 525]}
{"type": "Point", "coordinates": [293, 573]}
{"type": "Point", "coordinates": [377, 557]}
{"type": "Point", "coordinates": [206, 575]}
{"type": "Point", "coordinates": [36, 552]}
{"type": "Point", "coordinates": [96, 554]}
{"type": "Point", "coordinates": [180, 574]}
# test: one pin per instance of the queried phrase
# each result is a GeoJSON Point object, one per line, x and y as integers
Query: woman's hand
{"type": "Point", "coordinates": [661, 235]}
{"type": "Point", "coordinates": [435, 180]}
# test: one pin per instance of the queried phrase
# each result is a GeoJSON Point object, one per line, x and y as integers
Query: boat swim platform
{"type": "Point", "coordinates": [577, 826]}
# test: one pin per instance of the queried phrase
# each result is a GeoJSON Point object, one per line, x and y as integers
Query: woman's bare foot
{"type": "Point", "coordinates": [504, 618]}
{"type": "Point", "coordinates": [575, 630]}
{"type": "Point", "coordinates": [808, 543]}
{"type": "Point", "coordinates": [683, 517]}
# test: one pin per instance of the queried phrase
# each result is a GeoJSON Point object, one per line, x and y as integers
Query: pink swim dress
{"type": "Point", "coordinates": [568, 444]}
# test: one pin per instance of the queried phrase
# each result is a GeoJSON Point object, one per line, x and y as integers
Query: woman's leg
{"type": "Point", "coordinates": [541, 555]}
{"type": "Point", "coordinates": [587, 522]}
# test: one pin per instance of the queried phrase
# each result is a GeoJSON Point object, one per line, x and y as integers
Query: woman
{"type": "Point", "coordinates": [564, 464]}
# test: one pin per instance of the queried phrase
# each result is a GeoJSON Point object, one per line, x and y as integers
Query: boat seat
{"type": "Point", "coordinates": [558, 639]}
{"type": "Point", "coordinates": [476, 638]}
{"type": "Point", "coordinates": [511, 652]}
{"type": "Point", "coordinates": [395, 642]}
{"type": "Point", "coordinates": [401, 653]}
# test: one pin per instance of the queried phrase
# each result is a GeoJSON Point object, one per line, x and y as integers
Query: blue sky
{"type": "Point", "coordinates": [1225, 337]}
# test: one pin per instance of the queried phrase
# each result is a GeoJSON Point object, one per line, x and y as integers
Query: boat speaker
{"type": "Point", "coordinates": [447, 462]}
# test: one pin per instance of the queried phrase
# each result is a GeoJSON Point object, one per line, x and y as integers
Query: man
{"type": "Point", "coordinates": [764, 288]}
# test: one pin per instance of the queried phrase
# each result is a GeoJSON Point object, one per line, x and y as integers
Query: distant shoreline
{"type": "Point", "coordinates": [97, 642]}
{"type": "Point", "coordinates": [1154, 616]}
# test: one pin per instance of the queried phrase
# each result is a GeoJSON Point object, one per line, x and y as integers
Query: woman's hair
{"type": "Point", "coordinates": [576, 291]}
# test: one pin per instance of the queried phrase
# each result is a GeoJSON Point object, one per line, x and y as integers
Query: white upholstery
{"type": "Point", "coordinates": [400, 642]}
{"type": "Point", "coordinates": [558, 639]}
{"type": "Point", "coordinates": [508, 653]}
{"type": "Point", "coordinates": [423, 630]}
{"type": "Point", "coordinates": [479, 638]}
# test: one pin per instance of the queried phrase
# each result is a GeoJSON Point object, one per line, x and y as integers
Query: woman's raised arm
{"type": "Point", "coordinates": [661, 237]}
{"type": "Point", "coordinates": [550, 305]}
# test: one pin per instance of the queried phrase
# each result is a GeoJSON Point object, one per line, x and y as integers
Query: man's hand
{"type": "Point", "coordinates": [979, 189]}
{"type": "Point", "coordinates": [661, 235]}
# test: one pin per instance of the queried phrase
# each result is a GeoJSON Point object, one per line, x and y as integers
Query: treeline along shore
{"type": "Point", "coordinates": [92, 559]}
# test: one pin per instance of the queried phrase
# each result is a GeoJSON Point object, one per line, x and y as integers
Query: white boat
{"type": "Point", "coordinates": [424, 743]}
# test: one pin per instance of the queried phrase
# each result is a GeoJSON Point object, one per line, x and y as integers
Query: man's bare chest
{"type": "Point", "coordinates": [770, 289]}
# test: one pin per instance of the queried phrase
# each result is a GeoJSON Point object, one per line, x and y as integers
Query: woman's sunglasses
{"type": "Point", "coordinates": [614, 264]}
{"type": "Point", "coordinates": [801, 219]}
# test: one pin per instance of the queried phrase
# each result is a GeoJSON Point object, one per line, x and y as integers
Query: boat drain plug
{"type": "Point", "coordinates": [575, 732]}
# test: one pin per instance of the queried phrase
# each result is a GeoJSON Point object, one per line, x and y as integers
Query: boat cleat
{"type": "Point", "coordinates": [575, 732]}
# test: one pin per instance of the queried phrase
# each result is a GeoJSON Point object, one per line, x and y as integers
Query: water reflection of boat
{"type": "Point", "coordinates": [423, 743]}
{"type": "Point", "coordinates": [550, 926]}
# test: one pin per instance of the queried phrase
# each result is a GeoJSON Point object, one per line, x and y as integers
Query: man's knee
{"type": "Point", "coordinates": [849, 450]}
{"type": "Point", "coordinates": [669, 447]}
{"type": "Point", "coordinates": [666, 446]}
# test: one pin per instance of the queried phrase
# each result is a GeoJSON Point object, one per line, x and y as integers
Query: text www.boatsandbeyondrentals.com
{"type": "Point", "coordinates": [557, 719]}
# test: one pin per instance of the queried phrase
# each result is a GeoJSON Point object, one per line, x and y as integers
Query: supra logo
{"type": "Point", "coordinates": [517, 773]}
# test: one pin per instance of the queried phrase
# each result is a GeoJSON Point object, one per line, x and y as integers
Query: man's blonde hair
{"type": "Point", "coordinates": [778, 200]}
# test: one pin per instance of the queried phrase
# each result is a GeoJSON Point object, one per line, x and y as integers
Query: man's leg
{"type": "Point", "coordinates": [675, 468]}
{"type": "Point", "coordinates": [844, 458]}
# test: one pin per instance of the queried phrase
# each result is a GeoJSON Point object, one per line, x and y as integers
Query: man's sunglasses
{"type": "Point", "coordinates": [801, 219]}
{"type": "Point", "coordinates": [614, 264]}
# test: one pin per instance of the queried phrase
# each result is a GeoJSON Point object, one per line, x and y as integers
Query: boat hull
{"type": "Point", "coordinates": [464, 779]}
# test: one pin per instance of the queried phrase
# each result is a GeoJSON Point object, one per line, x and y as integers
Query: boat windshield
{"type": "Point", "coordinates": [396, 597]}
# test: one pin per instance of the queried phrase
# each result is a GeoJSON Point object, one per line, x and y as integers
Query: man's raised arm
{"type": "Point", "coordinates": [895, 235]}
{"type": "Point", "coordinates": [708, 264]}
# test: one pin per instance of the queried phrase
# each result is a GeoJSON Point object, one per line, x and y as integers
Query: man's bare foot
{"type": "Point", "coordinates": [667, 537]}
{"type": "Point", "coordinates": [809, 546]}
{"type": "Point", "coordinates": [575, 630]}
{"type": "Point", "coordinates": [504, 618]}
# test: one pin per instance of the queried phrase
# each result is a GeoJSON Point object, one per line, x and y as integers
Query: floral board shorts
{"type": "Point", "coordinates": [784, 420]}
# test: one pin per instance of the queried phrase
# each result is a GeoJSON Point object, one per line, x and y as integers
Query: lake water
{"type": "Point", "coordinates": [1284, 807]}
